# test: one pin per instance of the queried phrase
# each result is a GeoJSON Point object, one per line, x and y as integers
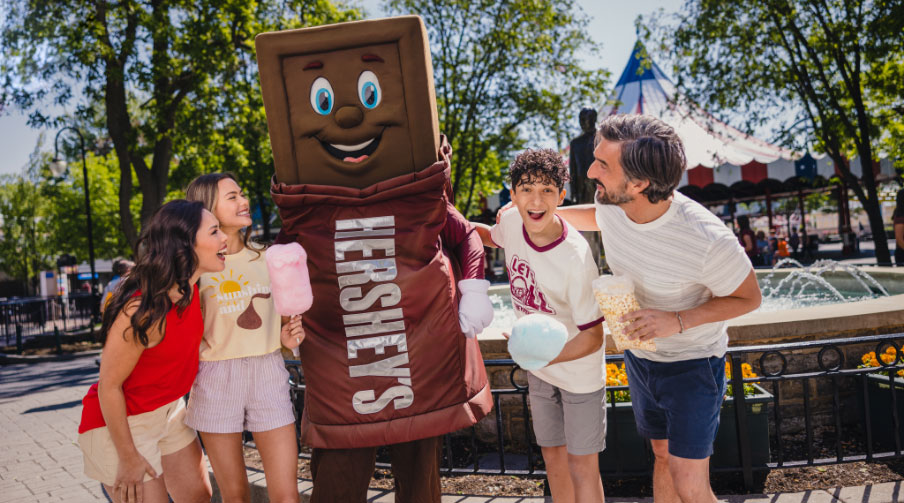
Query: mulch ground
{"type": "Point", "coordinates": [777, 481]}
{"type": "Point", "coordinates": [827, 477]}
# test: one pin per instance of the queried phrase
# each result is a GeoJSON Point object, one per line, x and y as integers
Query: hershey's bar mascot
{"type": "Point", "coordinates": [362, 183]}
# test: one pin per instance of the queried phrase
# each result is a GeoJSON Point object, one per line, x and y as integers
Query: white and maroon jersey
{"type": "Point", "coordinates": [555, 280]}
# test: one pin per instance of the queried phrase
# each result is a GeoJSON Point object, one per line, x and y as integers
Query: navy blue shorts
{"type": "Point", "coordinates": [678, 401]}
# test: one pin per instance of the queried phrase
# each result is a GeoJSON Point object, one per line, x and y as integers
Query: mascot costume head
{"type": "Point", "coordinates": [361, 183]}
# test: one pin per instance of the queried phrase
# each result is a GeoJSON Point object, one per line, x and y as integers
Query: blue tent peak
{"type": "Point", "coordinates": [634, 72]}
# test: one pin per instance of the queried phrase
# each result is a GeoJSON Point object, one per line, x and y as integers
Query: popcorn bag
{"type": "Point", "coordinates": [615, 295]}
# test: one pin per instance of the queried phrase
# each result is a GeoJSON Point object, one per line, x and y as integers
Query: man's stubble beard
{"type": "Point", "coordinates": [616, 199]}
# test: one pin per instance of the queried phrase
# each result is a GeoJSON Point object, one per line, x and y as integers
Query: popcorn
{"type": "Point", "coordinates": [615, 295]}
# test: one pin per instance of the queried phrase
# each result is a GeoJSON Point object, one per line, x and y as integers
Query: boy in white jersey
{"type": "Point", "coordinates": [550, 270]}
{"type": "Point", "coordinates": [690, 275]}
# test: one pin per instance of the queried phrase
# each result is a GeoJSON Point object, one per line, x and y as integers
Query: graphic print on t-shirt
{"type": "Point", "coordinates": [234, 295]}
{"type": "Point", "coordinates": [526, 295]}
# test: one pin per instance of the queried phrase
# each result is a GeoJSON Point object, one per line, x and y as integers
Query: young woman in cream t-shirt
{"type": "Point", "coordinates": [242, 382]}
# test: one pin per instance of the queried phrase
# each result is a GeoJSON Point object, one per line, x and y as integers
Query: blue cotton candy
{"type": "Point", "coordinates": [536, 339]}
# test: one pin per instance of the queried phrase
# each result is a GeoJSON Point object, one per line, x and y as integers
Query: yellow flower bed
{"type": "Point", "coordinates": [616, 376]}
{"type": "Point", "coordinates": [888, 357]}
{"type": "Point", "coordinates": [746, 372]}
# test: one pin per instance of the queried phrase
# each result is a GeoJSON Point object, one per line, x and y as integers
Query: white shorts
{"type": "Point", "coordinates": [251, 393]}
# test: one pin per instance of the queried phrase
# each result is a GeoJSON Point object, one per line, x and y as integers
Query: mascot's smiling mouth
{"type": "Point", "coordinates": [352, 153]}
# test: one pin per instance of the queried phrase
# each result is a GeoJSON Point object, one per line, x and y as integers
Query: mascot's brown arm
{"type": "Point", "coordinates": [283, 238]}
{"type": "Point", "coordinates": [459, 236]}
{"type": "Point", "coordinates": [461, 239]}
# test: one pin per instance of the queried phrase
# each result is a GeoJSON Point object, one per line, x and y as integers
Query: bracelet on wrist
{"type": "Point", "coordinates": [680, 322]}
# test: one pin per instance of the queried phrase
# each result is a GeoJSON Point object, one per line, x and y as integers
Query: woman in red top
{"type": "Point", "coordinates": [132, 433]}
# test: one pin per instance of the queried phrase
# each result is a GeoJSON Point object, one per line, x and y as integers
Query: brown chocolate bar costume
{"type": "Point", "coordinates": [361, 185]}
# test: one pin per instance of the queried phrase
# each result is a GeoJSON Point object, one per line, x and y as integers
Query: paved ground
{"type": "Point", "coordinates": [40, 406]}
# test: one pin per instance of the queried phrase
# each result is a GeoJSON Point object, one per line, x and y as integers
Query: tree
{"type": "Point", "coordinates": [43, 217]}
{"type": "Point", "coordinates": [806, 66]}
{"type": "Point", "coordinates": [505, 73]}
{"type": "Point", "coordinates": [242, 145]}
{"type": "Point", "coordinates": [152, 71]}
{"type": "Point", "coordinates": [22, 248]}
{"type": "Point", "coordinates": [66, 225]}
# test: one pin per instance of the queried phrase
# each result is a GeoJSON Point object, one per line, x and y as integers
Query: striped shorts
{"type": "Point", "coordinates": [230, 396]}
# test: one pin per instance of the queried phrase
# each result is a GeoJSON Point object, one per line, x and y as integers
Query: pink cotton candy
{"type": "Point", "coordinates": [290, 283]}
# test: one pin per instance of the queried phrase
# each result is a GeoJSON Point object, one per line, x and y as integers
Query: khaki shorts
{"type": "Point", "coordinates": [156, 433]}
{"type": "Point", "coordinates": [575, 420]}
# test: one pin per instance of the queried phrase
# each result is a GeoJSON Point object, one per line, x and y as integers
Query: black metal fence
{"type": "Point", "coordinates": [24, 318]}
{"type": "Point", "coordinates": [808, 405]}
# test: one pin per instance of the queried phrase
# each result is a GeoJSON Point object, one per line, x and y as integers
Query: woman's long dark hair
{"type": "Point", "coordinates": [166, 257]}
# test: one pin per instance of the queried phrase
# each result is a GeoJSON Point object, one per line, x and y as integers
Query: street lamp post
{"type": "Point", "coordinates": [58, 167]}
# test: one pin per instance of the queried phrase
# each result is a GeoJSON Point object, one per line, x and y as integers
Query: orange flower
{"type": "Point", "coordinates": [890, 350]}
{"type": "Point", "coordinates": [887, 358]}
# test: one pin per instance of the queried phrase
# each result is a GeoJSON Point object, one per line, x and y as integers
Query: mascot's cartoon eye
{"type": "Point", "coordinates": [369, 89]}
{"type": "Point", "coordinates": [322, 96]}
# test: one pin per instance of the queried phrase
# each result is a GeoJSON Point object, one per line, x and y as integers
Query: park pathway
{"type": "Point", "coordinates": [40, 407]}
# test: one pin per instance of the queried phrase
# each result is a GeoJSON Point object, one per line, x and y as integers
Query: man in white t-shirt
{"type": "Point", "coordinates": [550, 270]}
{"type": "Point", "coordinates": [690, 275]}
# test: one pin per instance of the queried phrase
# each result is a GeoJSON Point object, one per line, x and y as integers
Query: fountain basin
{"type": "Point", "coordinates": [864, 317]}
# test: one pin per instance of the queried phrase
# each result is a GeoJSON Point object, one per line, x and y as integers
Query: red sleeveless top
{"type": "Point", "coordinates": [163, 373]}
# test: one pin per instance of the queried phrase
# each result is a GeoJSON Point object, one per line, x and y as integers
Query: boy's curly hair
{"type": "Point", "coordinates": [538, 166]}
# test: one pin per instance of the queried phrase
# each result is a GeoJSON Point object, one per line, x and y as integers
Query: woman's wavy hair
{"type": "Point", "coordinates": [166, 257]}
{"type": "Point", "coordinates": [205, 188]}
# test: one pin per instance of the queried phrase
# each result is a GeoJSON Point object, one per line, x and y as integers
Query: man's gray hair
{"type": "Point", "coordinates": [650, 150]}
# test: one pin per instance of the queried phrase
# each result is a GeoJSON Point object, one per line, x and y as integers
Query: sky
{"type": "Point", "coordinates": [611, 25]}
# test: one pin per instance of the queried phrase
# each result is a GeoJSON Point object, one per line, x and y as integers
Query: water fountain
{"type": "Point", "coordinates": [814, 273]}
{"type": "Point", "coordinates": [825, 299]}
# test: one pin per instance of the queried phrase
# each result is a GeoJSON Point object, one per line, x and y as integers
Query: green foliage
{"type": "Point", "coordinates": [66, 220]}
{"type": "Point", "coordinates": [884, 85]}
{"type": "Point", "coordinates": [165, 80]}
{"type": "Point", "coordinates": [507, 75]}
{"type": "Point", "coordinates": [43, 218]}
{"type": "Point", "coordinates": [824, 72]}
{"type": "Point", "coordinates": [242, 144]}
{"type": "Point", "coordinates": [23, 247]}
{"type": "Point", "coordinates": [817, 201]}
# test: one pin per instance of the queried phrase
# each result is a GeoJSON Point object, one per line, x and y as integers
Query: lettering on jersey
{"type": "Point", "coordinates": [526, 295]}
{"type": "Point", "coordinates": [366, 269]}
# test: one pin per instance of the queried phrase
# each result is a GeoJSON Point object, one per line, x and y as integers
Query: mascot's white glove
{"type": "Point", "coordinates": [475, 311]}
